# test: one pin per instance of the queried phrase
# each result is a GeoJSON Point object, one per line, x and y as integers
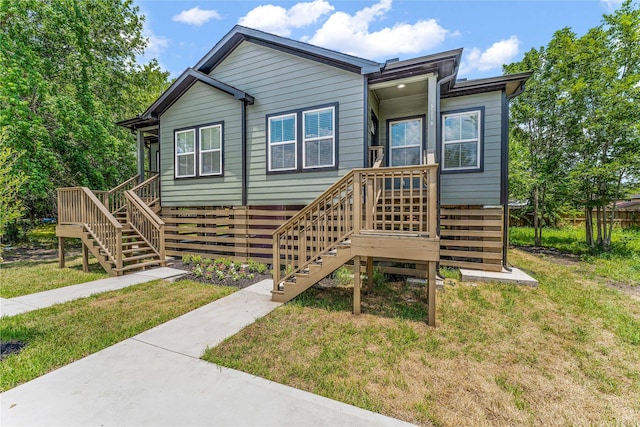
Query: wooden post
{"type": "Point", "coordinates": [369, 205]}
{"type": "Point", "coordinates": [61, 252]}
{"type": "Point", "coordinates": [356, 285]}
{"type": "Point", "coordinates": [370, 274]}
{"type": "Point", "coordinates": [85, 258]}
{"type": "Point", "coordinates": [431, 289]}
{"type": "Point", "coordinates": [357, 201]}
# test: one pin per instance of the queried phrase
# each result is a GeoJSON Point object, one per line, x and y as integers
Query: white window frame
{"type": "Point", "coordinates": [477, 140]}
{"type": "Point", "coordinates": [201, 151]}
{"type": "Point", "coordinates": [191, 153]}
{"type": "Point", "coordinates": [419, 145]}
{"type": "Point", "coordinates": [318, 138]}
{"type": "Point", "coordinates": [289, 142]}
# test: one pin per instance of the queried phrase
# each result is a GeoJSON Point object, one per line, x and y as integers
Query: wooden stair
{"type": "Point", "coordinates": [313, 273]}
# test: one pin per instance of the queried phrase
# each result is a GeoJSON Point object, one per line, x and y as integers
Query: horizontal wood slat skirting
{"type": "Point", "coordinates": [471, 237]}
{"type": "Point", "coordinates": [236, 232]}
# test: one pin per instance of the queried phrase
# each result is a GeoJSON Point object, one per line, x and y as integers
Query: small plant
{"type": "Point", "coordinates": [256, 267]}
{"type": "Point", "coordinates": [197, 271]}
{"type": "Point", "coordinates": [196, 259]}
{"type": "Point", "coordinates": [450, 273]}
{"type": "Point", "coordinates": [343, 276]}
{"type": "Point", "coordinates": [187, 259]}
{"type": "Point", "coordinates": [206, 262]}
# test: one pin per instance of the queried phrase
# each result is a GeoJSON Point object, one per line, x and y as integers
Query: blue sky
{"type": "Point", "coordinates": [492, 33]}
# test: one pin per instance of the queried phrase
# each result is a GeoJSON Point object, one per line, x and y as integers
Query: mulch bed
{"type": "Point", "coordinates": [8, 348]}
{"type": "Point", "coordinates": [241, 283]}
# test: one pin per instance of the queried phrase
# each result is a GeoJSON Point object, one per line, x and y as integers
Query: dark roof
{"type": "Point", "coordinates": [239, 34]}
{"type": "Point", "coordinates": [175, 91]}
{"type": "Point", "coordinates": [445, 64]}
{"type": "Point", "coordinates": [512, 84]}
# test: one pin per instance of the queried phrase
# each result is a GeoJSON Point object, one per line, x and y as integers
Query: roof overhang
{"type": "Point", "coordinates": [444, 65]}
{"type": "Point", "coordinates": [175, 91]}
{"type": "Point", "coordinates": [512, 84]}
{"type": "Point", "coordinates": [238, 34]}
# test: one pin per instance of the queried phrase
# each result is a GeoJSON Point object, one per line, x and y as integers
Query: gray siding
{"type": "Point", "coordinates": [199, 105]}
{"type": "Point", "coordinates": [398, 108]}
{"type": "Point", "coordinates": [280, 82]}
{"type": "Point", "coordinates": [476, 188]}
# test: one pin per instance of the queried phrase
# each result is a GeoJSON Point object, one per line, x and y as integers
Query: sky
{"type": "Point", "coordinates": [492, 33]}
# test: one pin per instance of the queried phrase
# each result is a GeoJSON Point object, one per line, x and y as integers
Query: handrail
{"type": "Point", "coordinates": [399, 200]}
{"type": "Point", "coordinates": [79, 206]}
{"type": "Point", "coordinates": [149, 190]}
{"type": "Point", "coordinates": [114, 200]}
{"type": "Point", "coordinates": [146, 223]}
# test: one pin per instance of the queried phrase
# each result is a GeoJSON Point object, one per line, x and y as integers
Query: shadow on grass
{"type": "Point", "coordinates": [394, 300]}
{"type": "Point", "coordinates": [94, 266]}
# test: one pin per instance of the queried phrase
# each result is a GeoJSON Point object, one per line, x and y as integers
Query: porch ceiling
{"type": "Point", "coordinates": [400, 88]}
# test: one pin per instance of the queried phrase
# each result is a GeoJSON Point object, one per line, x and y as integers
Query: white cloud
{"type": "Point", "coordinates": [611, 5]}
{"type": "Point", "coordinates": [280, 21]}
{"type": "Point", "coordinates": [196, 16]}
{"type": "Point", "coordinates": [500, 53]}
{"type": "Point", "coordinates": [351, 34]}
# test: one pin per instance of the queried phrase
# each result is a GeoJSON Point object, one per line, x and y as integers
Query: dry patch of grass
{"type": "Point", "coordinates": [63, 333]}
{"type": "Point", "coordinates": [27, 277]}
{"type": "Point", "coordinates": [566, 353]}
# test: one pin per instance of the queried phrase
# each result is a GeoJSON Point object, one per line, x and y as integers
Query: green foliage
{"type": "Point", "coordinates": [575, 130]}
{"type": "Point", "coordinates": [343, 276]}
{"type": "Point", "coordinates": [256, 267]}
{"type": "Point", "coordinates": [68, 71]}
{"type": "Point", "coordinates": [10, 183]}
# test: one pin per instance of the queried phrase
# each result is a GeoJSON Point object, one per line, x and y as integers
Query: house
{"type": "Point", "coordinates": [267, 133]}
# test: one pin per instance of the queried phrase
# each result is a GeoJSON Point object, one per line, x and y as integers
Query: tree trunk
{"type": "Point", "coordinates": [588, 224]}
{"type": "Point", "coordinates": [599, 225]}
{"type": "Point", "coordinates": [536, 220]}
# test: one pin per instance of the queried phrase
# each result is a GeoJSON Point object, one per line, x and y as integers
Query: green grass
{"type": "Point", "coordinates": [619, 265]}
{"type": "Point", "coordinates": [27, 277]}
{"type": "Point", "coordinates": [567, 352]}
{"type": "Point", "coordinates": [61, 334]}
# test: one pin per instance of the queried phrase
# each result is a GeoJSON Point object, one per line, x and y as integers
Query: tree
{"type": "Point", "coordinates": [580, 119]}
{"type": "Point", "coordinates": [11, 207]}
{"type": "Point", "coordinates": [68, 70]}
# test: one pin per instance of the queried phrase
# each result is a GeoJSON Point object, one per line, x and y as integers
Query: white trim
{"type": "Point", "coordinates": [201, 151]}
{"type": "Point", "coordinates": [288, 142]}
{"type": "Point", "coordinates": [319, 138]}
{"type": "Point", "coordinates": [190, 153]}
{"type": "Point", "coordinates": [419, 144]}
{"type": "Point", "coordinates": [478, 113]}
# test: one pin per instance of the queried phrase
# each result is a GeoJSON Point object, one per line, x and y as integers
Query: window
{"type": "Point", "coordinates": [199, 151]}
{"type": "Point", "coordinates": [302, 140]}
{"type": "Point", "coordinates": [186, 153]}
{"type": "Point", "coordinates": [405, 142]}
{"type": "Point", "coordinates": [282, 143]}
{"type": "Point", "coordinates": [318, 145]}
{"type": "Point", "coordinates": [461, 140]}
{"type": "Point", "coordinates": [211, 150]}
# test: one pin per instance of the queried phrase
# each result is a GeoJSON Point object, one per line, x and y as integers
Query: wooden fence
{"type": "Point", "coordinates": [237, 232]}
{"type": "Point", "coordinates": [471, 237]}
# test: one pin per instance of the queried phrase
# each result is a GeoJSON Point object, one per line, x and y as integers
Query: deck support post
{"type": "Point", "coordinates": [369, 274]}
{"type": "Point", "coordinates": [356, 285]}
{"type": "Point", "coordinates": [85, 258]}
{"type": "Point", "coordinates": [431, 296]}
{"type": "Point", "coordinates": [61, 252]}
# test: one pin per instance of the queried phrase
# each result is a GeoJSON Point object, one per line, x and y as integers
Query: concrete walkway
{"type": "Point", "coordinates": [157, 379]}
{"type": "Point", "coordinates": [25, 303]}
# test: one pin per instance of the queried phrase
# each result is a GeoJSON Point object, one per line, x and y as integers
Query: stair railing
{"type": "Point", "coordinates": [145, 222]}
{"type": "Point", "coordinates": [79, 206]}
{"type": "Point", "coordinates": [149, 190]}
{"type": "Point", "coordinates": [316, 230]}
{"type": "Point", "coordinates": [114, 199]}
{"type": "Point", "coordinates": [397, 200]}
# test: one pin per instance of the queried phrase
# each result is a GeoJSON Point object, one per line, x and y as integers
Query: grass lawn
{"type": "Point", "coordinates": [27, 277]}
{"type": "Point", "coordinates": [620, 265]}
{"type": "Point", "coordinates": [61, 334]}
{"type": "Point", "coordinates": [566, 353]}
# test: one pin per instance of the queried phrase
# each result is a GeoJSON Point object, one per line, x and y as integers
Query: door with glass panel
{"type": "Point", "coordinates": [405, 147]}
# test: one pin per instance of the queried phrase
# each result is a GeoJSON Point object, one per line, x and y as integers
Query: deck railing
{"type": "Point", "coordinates": [376, 154]}
{"type": "Point", "coordinates": [398, 200]}
{"type": "Point", "coordinates": [149, 190]}
{"type": "Point", "coordinates": [142, 219]}
{"type": "Point", "coordinates": [80, 206]}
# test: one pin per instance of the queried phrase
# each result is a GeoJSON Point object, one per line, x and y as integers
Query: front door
{"type": "Point", "coordinates": [405, 141]}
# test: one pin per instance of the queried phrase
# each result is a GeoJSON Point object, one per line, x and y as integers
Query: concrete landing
{"type": "Point", "coordinates": [25, 303]}
{"type": "Point", "coordinates": [515, 276]}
